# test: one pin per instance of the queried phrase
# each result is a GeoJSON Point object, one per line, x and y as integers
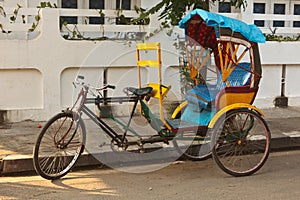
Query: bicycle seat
{"type": "Point", "coordinates": [140, 91]}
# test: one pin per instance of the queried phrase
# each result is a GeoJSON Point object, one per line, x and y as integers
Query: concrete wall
{"type": "Point", "coordinates": [273, 56]}
{"type": "Point", "coordinates": [36, 74]}
{"type": "Point", "coordinates": [36, 71]}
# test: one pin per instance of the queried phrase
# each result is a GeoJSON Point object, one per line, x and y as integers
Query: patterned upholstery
{"type": "Point", "coordinates": [199, 34]}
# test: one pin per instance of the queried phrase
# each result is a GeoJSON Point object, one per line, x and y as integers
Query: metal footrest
{"type": "Point", "coordinates": [182, 125]}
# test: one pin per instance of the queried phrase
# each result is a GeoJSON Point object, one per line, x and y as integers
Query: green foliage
{"type": "Point", "coordinates": [15, 14]}
{"type": "Point", "coordinates": [171, 11]}
{"type": "Point", "coordinates": [101, 13]}
{"type": "Point", "coordinates": [279, 38]}
{"type": "Point", "coordinates": [38, 17]}
{"type": "Point", "coordinates": [47, 5]}
{"type": "Point", "coordinates": [2, 11]}
{"type": "Point", "coordinates": [14, 17]}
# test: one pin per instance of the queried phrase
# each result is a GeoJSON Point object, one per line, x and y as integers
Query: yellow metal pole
{"type": "Point", "coordinates": [234, 55]}
{"type": "Point", "coordinates": [160, 83]}
{"type": "Point", "coordinates": [204, 61]}
{"type": "Point", "coordinates": [226, 56]}
{"type": "Point", "coordinates": [221, 57]}
{"type": "Point", "coordinates": [139, 68]}
{"type": "Point", "coordinates": [199, 57]}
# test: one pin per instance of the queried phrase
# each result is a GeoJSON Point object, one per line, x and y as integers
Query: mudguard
{"type": "Point", "coordinates": [232, 107]}
{"type": "Point", "coordinates": [179, 109]}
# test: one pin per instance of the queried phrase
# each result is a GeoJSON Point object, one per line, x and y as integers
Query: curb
{"type": "Point", "coordinates": [24, 163]}
{"type": "Point", "coordinates": [284, 143]}
{"type": "Point", "coordinates": [16, 163]}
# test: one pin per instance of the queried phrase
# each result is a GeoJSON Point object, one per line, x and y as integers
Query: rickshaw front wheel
{"type": "Point", "coordinates": [241, 142]}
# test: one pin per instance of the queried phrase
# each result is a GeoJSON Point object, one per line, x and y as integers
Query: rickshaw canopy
{"type": "Point", "coordinates": [234, 47]}
{"type": "Point", "coordinates": [250, 32]}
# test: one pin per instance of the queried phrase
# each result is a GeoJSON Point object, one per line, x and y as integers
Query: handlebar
{"type": "Point", "coordinates": [80, 81]}
{"type": "Point", "coordinates": [111, 86]}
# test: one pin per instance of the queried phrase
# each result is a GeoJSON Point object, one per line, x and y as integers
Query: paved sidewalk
{"type": "Point", "coordinates": [17, 139]}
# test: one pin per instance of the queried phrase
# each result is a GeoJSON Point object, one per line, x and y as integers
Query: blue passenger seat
{"type": "Point", "coordinates": [204, 95]}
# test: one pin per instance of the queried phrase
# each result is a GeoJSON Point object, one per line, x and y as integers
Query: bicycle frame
{"type": "Point", "coordinates": [120, 139]}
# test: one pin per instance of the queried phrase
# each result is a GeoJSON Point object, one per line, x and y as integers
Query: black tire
{"type": "Point", "coordinates": [193, 146]}
{"type": "Point", "coordinates": [59, 146]}
{"type": "Point", "coordinates": [241, 141]}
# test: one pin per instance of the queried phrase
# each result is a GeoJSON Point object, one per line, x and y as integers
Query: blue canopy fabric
{"type": "Point", "coordinates": [250, 32]}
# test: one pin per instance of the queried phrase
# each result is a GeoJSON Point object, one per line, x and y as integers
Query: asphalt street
{"type": "Point", "coordinates": [278, 179]}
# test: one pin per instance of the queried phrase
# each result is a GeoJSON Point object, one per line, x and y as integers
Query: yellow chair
{"type": "Point", "coordinates": [159, 90]}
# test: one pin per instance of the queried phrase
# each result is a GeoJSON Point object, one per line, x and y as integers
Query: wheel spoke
{"type": "Point", "coordinates": [58, 146]}
{"type": "Point", "coordinates": [242, 142]}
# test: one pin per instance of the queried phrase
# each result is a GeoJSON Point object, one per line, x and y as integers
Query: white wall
{"type": "Point", "coordinates": [273, 56]}
{"type": "Point", "coordinates": [36, 74]}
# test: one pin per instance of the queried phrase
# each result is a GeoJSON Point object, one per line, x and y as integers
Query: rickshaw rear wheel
{"type": "Point", "coordinates": [241, 142]}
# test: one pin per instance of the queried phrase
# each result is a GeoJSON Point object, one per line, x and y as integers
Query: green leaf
{"type": "Point", "coordinates": [170, 32]}
{"type": "Point", "coordinates": [43, 4]}
{"type": "Point", "coordinates": [33, 26]}
{"type": "Point", "coordinates": [74, 33]}
{"type": "Point", "coordinates": [101, 13]}
{"type": "Point", "coordinates": [2, 12]}
{"type": "Point", "coordinates": [136, 8]}
{"type": "Point", "coordinates": [67, 36]}
{"type": "Point", "coordinates": [49, 5]}
{"type": "Point", "coordinates": [13, 18]}
{"type": "Point", "coordinates": [37, 18]}
{"type": "Point", "coordinates": [15, 12]}
{"type": "Point", "coordinates": [79, 36]}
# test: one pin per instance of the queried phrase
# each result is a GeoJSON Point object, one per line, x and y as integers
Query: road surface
{"type": "Point", "coordinates": [278, 179]}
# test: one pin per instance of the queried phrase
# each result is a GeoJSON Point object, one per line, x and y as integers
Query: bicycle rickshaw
{"type": "Point", "coordinates": [216, 118]}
